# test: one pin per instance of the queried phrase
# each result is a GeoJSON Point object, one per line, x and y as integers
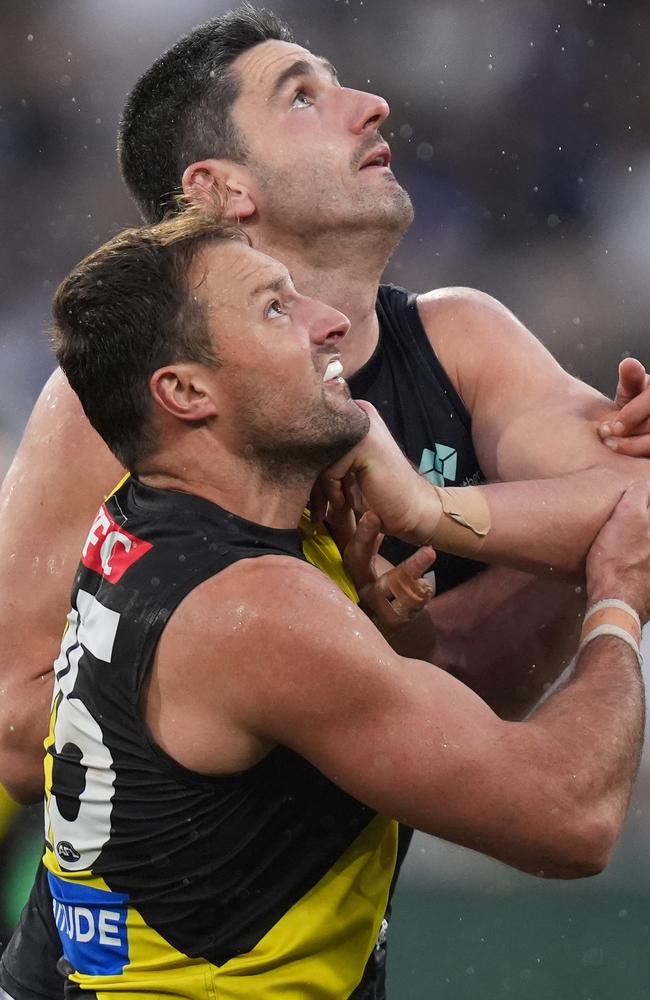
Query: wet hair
{"type": "Point", "coordinates": [179, 111]}
{"type": "Point", "coordinates": [127, 310]}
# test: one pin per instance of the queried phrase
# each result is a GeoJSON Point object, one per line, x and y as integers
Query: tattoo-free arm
{"type": "Point", "coordinates": [400, 735]}
{"type": "Point", "coordinates": [50, 494]}
{"type": "Point", "coordinates": [530, 418]}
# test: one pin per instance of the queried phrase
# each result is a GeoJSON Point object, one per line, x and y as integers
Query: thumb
{"type": "Point", "coordinates": [631, 381]}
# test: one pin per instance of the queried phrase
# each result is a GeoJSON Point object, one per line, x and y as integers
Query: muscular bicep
{"type": "Point", "coordinates": [310, 672]}
{"type": "Point", "coordinates": [530, 418]}
{"type": "Point", "coordinates": [50, 494]}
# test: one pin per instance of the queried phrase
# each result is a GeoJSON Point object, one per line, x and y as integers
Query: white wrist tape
{"type": "Point", "coordinates": [612, 617]}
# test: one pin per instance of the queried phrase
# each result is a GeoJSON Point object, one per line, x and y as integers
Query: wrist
{"type": "Point", "coordinates": [612, 617]}
{"type": "Point", "coordinates": [428, 514]}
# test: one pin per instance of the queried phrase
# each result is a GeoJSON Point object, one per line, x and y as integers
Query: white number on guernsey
{"type": "Point", "coordinates": [79, 827]}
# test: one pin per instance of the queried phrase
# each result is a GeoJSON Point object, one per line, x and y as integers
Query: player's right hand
{"type": "Point", "coordinates": [618, 562]}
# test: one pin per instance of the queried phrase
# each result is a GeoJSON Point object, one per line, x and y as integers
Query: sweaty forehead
{"type": "Point", "coordinates": [227, 273]}
{"type": "Point", "coordinates": [259, 67]}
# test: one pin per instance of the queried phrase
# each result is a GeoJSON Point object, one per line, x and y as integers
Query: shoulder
{"type": "Point", "coordinates": [268, 592]}
{"type": "Point", "coordinates": [475, 336]}
{"type": "Point", "coordinates": [476, 311]}
{"type": "Point", "coordinates": [272, 616]}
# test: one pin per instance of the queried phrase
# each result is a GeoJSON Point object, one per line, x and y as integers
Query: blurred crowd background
{"type": "Point", "coordinates": [521, 129]}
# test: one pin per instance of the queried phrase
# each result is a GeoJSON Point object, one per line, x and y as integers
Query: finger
{"type": "Point", "coordinates": [353, 494]}
{"type": "Point", "coordinates": [333, 490]}
{"type": "Point", "coordinates": [318, 502]}
{"type": "Point", "coordinates": [631, 417]}
{"type": "Point", "coordinates": [343, 525]}
{"type": "Point", "coordinates": [636, 447]}
{"type": "Point", "coordinates": [631, 380]}
{"type": "Point", "coordinates": [359, 554]}
{"type": "Point", "coordinates": [637, 495]}
{"type": "Point", "coordinates": [405, 582]}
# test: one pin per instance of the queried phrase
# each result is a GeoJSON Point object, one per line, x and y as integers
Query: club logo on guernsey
{"type": "Point", "coordinates": [92, 926]}
{"type": "Point", "coordinates": [439, 465]}
{"type": "Point", "coordinates": [109, 549]}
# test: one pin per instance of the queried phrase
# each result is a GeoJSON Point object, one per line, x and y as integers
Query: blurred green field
{"type": "Point", "coordinates": [555, 942]}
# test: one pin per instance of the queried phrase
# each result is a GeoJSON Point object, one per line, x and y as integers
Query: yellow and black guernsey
{"type": "Point", "coordinates": [267, 883]}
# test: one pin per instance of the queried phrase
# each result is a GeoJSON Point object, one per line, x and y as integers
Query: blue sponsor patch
{"type": "Point", "coordinates": [92, 926]}
{"type": "Point", "coordinates": [440, 465]}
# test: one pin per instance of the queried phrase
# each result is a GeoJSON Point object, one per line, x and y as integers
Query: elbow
{"type": "Point", "coordinates": [20, 778]}
{"type": "Point", "coordinates": [585, 846]}
{"type": "Point", "coordinates": [21, 766]}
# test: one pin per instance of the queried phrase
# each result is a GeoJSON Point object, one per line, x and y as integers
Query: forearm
{"type": "Point", "coordinates": [505, 634]}
{"type": "Point", "coordinates": [541, 526]}
{"type": "Point", "coordinates": [598, 721]}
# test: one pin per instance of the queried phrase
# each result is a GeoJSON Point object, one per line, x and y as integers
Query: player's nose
{"type": "Point", "coordinates": [329, 325]}
{"type": "Point", "coordinates": [368, 111]}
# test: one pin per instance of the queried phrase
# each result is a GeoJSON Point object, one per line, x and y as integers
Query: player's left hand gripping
{"type": "Point", "coordinates": [391, 595]}
{"type": "Point", "coordinates": [628, 431]}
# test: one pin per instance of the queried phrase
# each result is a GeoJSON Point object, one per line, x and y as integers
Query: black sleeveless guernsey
{"type": "Point", "coordinates": [411, 390]}
{"type": "Point", "coordinates": [262, 882]}
{"type": "Point", "coordinates": [425, 414]}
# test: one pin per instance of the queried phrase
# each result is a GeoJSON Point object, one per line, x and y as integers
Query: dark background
{"type": "Point", "coordinates": [521, 130]}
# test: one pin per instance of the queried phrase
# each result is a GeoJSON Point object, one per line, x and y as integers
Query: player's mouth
{"type": "Point", "coordinates": [377, 158]}
{"type": "Point", "coordinates": [333, 372]}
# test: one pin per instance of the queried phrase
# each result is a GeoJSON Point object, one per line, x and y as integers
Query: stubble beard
{"type": "Point", "coordinates": [297, 454]}
{"type": "Point", "coordinates": [313, 209]}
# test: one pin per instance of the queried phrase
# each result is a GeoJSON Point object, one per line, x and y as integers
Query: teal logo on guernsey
{"type": "Point", "coordinates": [92, 927]}
{"type": "Point", "coordinates": [439, 465]}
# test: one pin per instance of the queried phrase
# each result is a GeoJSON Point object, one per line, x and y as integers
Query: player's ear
{"type": "Point", "coordinates": [222, 185]}
{"type": "Point", "coordinates": [183, 392]}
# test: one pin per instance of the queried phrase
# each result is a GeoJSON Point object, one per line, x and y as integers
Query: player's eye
{"type": "Point", "coordinates": [274, 309]}
{"type": "Point", "coordinates": [301, 100]}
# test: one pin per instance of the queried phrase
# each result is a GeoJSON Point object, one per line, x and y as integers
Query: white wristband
{"type": "Point", "coordinates": [618, 633]}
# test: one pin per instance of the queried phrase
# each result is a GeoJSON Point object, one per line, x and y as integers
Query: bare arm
{"type": "Point", "coordinates": [58, 477]}
{"type": "Point", "coordinates": [544, 525]}
{"type": "Point", "coordinates": [530, 418]}
{"type": "Point", "coordinates": [309, 671]}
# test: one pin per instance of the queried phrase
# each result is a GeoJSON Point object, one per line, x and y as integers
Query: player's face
{"type": "Point", "coordinates": [279, 386]}
{"type": "Point", "coordinates": [316, 156]}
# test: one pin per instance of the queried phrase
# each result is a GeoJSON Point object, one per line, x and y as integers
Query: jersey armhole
{"type": "Point", "coordinates": [432, 361]}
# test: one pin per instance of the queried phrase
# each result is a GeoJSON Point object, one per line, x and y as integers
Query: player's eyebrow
{"type": "Point", "coordinates": [277, 285]}
{"type": "Point", "coordinates": [302, 68]}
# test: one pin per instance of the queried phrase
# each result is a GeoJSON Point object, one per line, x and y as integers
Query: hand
{"type": "Point", "coordinates": [628, 431]}
{"type": "Point", "coordinates": [618, 562]}
{"type": "Point", "coordinates": [376, 476]}
{"type": "Point", "coordinates": [391, 595]}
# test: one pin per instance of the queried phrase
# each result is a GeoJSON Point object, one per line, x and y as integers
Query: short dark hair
{"type": "Point", "coordinates": [180, 110]}
{"type": "Point", "coordinates": [127, 310]}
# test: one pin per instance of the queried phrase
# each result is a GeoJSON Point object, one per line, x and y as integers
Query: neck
{"type": "Point", "coordinates": [338, 268]}
{"type": "Point", "coordinates": [204, 469]}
